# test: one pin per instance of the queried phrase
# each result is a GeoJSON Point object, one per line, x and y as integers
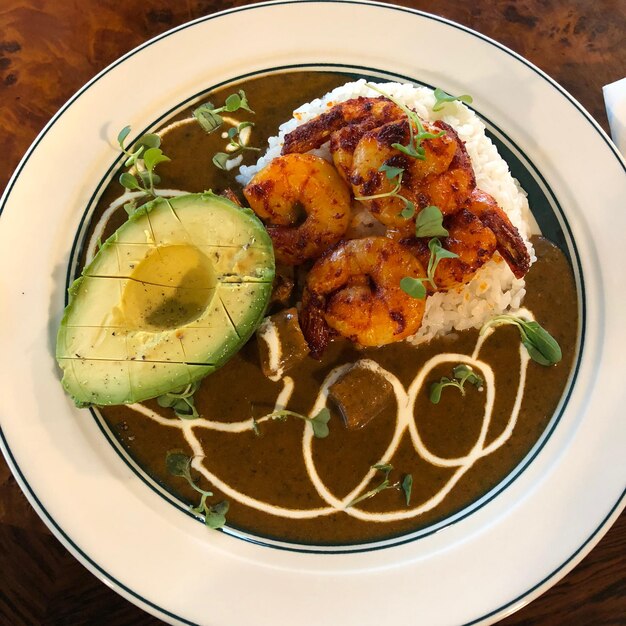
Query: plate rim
{"type": "Point", "coordinates": [32, 496]}
{"type": "Point", "coordinates": [80, 243]}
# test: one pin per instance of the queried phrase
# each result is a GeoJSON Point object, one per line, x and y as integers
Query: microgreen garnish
{"type": "Point", "coordinates": [392, 172]}
{"type": "Point", "coordinates": [131, 206]}
{"type": "Point", "coordinates": [406, 485]}
{"type": "Point", "coordinates": [385, 484]}
{"type": "Point", "coordinates": [386, 469]}
{"type": "Point", "coordinates": [182, 401]}
{"type": "Point", "coordinates": [415, 287]}
{"type": "Point", "coordinates": [461, 374]}
{"type": "Point", "coordinates": [319, 422]}
{"type": "Point", "coordinates": [209, 117]}
{"type": "Point", "coordinates": [255, 427]}
{"type": "Point", "coordinates": [142, 159]}
{"type": "Point", "coordinates": [437, 252]}
{"type": "Point", "coordinates": [541, 345]}
{"type": "Point", "coordinates": [408, 211]}
{"type": "Point", "coordinates": [179, 464]}
{"type": "Point", "coordinates": [414, 148]}
{"type": "Point", "coordinates": [442, 98]}
{"type": "Point", "coordinates": [235, 147]}
{"type": "Point", "coordinates": [121, 136]}
{"type": "Point", "coordinates": [429, 223]}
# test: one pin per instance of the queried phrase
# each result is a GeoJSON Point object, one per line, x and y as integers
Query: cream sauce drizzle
{"type": "Point", "coordinates": [268, 333]}
{"type": "Point", "coordinates": [406, 425]}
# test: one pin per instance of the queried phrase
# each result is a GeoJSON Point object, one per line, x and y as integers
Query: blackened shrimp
{"type": "Point", "coordinates": [444, 177]}
{"type": "Point", "coordinates": [355, 291]}
{"type": "Point", "coordinates": [472, 242]}
{"type": "Point", "coordinates": [369, 112]}
{"type": "Point", "coordinates": [474, 235]}
{"type": "Point", "coordinates": [290, 186]}
{"type": "Point", "coordinates": [509, 242]}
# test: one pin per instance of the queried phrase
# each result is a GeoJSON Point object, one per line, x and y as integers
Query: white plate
{"type": "Point", "coordinates": [478, 569]}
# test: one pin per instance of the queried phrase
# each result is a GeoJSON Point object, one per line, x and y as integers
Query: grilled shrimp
{"type": "Point", "coordinates": [444, 177]}
{"type": "Point", "coordinates": [291, 185]}
{"type": "Point", "coordinates": [362, 132]}
{"type": "Point", "coordinates": [509, 242]}
{"type": "Point", "coordinates": [355, 290]}
{"type": "Point", "coordinates": [474, 234]}
{"type": "Point", "coordinates": [371, 112]}
{"type": "Point", "coordinates": [472, 242]}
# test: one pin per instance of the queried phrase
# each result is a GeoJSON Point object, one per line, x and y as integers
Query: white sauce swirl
{"type": "Point", "coordinates": [406, 425]}
{"type": "Point", "coordinates": [268, 333]}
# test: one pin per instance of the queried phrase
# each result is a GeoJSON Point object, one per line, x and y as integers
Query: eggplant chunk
{"type": "Point", "coordinates": [281, 343]}
{"type": "Point", "coordinates": [360, 395]}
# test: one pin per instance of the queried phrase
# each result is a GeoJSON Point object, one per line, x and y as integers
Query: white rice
{"type": "Point", "coordinates": [494, 289]}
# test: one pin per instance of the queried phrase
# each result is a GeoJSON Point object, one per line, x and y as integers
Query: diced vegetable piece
{"type": "Point", "coordinates": [360, 394]}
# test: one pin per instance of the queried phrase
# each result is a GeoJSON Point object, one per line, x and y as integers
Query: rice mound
{"type": "Point", "coordinates": [494, 289]}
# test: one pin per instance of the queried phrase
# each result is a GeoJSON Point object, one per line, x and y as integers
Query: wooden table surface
{"type": "Point", "coordinates": [50, 48]}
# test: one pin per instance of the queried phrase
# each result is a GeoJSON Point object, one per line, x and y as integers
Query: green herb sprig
{"type": "Point", "coordinates": [442, 98]}
{"type": "Point", "coordinates": [319, 422]}
{"type": "Point", "coordinates": [235, 144]}
{"type": "Point", "coordinates": [415, 287]}
{"type": "Point", "coordinates": [182, 401]}
{"type": "Point", "coordinates": [142, 158]}
{"type": "Point", "coordinates": [461, 374]}
{"type": "Point", "coordinates": [542, 347]}
{"type": "Point", "coordinates": [392, 173]}
{"type": "Point", "coordinates": [405, 485]}
{"type": "Point", "coordinates": [209, 117]}
{"type": "Point", "coordinates": [414, 148]}
{"type": "Point", "coordinates": [179, 464]}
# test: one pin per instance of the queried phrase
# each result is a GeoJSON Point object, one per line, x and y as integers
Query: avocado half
{"type": "Point", "coordinates": [168, 299]}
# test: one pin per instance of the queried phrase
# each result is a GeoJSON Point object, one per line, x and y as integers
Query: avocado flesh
{"type": "Point", "coordinates": [168, 298]}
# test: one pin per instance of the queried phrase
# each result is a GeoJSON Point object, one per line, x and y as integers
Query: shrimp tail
{"type": "Point", "coordinates": [509, 242]}
{"type": "Point", "coordinates": [313, 134]}
{"type": "Point", "coordinates": [229, 194]}
{"type": "Point", "coordinates": [313, 323]}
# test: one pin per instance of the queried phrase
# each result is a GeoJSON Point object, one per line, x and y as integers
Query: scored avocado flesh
{"type": "Point", "coordinates": [169, 298]}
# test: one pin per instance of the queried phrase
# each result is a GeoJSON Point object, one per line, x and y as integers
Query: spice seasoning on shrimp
{"type": "Point", "coordinates": [294, 183]}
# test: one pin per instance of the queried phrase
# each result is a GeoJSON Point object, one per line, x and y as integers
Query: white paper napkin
{"type": "Point", "coordinates": [615, 102]}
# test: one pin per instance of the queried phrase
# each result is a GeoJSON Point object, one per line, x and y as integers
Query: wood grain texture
{"type": "Point", "coordinates": [50, 48]}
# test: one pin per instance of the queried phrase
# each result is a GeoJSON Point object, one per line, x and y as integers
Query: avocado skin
{"type": "Point", "coordinates": [93, 347]}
